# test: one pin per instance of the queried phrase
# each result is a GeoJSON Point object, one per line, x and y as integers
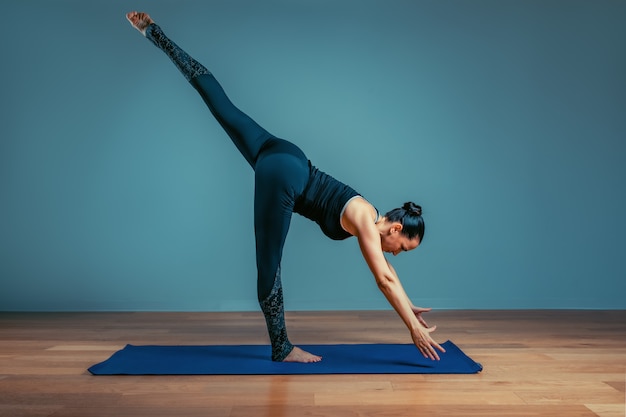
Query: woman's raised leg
{"type": "Point", "coordinates": [245, 133]}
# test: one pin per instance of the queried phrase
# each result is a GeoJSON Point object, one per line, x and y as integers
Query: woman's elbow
{"type": "Point", "coordinates": [385, 283]}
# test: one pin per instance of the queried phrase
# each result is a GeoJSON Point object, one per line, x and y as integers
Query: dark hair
{"type": "Point", "coordinates": [410, 217]}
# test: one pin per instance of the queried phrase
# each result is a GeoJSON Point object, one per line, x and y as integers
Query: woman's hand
{"type": "Point", "coordinates": [425, 343]}
{"type": "Point", "coordinates": [418, 313]}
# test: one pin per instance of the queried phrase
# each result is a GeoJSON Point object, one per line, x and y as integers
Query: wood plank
{"type": "Point", "coordinates": [608, 410]}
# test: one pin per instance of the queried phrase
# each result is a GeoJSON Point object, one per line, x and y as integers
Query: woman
{"type": "Point", "coordinates": [286, 182]}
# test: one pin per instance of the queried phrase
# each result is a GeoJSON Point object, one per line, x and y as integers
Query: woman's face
{"type": "Point", "coordinates": [394, 241]}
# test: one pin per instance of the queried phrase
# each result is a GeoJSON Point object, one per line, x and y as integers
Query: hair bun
{"type": "Point", "coordinates": [412, 208]}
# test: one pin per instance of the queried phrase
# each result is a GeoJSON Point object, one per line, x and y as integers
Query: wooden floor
{"type": "Point", "coordinates": [536, 363]}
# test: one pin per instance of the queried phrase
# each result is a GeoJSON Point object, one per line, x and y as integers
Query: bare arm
{"type": "Point", "coordinates": [389, 283]}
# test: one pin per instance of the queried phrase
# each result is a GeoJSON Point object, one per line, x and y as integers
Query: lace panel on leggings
{"type": "Point", "coordinates": [188, 66]}
{"type": "Point", "coordinates": [274, 312]}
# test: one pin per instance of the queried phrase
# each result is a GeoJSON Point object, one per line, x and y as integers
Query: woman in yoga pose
{"type": "Point", "coordinates": [286, 182]}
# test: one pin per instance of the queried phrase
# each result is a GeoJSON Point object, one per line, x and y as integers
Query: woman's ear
{"type": "Point", "coordinates": [396, 227]}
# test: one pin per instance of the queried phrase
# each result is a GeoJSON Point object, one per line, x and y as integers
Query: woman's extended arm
{"type": "Point", "coordinates": [389, 283]}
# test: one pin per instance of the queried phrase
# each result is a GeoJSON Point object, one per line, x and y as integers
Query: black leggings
{"type": "Point", "coordinates": [281, 174]}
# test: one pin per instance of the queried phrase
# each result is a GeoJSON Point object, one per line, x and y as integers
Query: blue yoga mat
{"type": "Point", "coordinates": [255, 360]}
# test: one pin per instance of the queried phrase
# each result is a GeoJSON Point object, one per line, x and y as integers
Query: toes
{"type": "Point", "coordinates": [132, 17]}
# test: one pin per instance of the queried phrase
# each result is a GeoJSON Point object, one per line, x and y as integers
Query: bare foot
{"type": "Point", "coordinates": [139, 20]}
{"type": "Point", "coordinates": [299, 355]}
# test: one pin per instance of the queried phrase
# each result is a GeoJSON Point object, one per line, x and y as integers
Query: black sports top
{"type": "Point", "coordinates": [323, 201]}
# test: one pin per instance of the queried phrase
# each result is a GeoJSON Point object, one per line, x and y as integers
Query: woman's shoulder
{"type": "Point", "coordinates": [359, 212]}
{"type": "Point", "coordinates": [360, 205]}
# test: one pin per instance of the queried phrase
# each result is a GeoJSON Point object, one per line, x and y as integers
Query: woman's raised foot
{"type": "Point", "coordinates": [139, 20]}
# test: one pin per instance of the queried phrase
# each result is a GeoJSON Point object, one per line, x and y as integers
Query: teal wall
{"type": "Point", "coordinates": [504, 119]}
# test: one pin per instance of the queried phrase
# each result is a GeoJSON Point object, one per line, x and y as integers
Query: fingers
{"type": "Point", "coordinates": [428, 347]}
{"type": "Point", "coordinates": [432, 342]}
{"type": "Point", "coordinates": [418, 313]}
{"type": "Point", "coordinates": [429, 352]}
{"type": "Point", "coordinates": [438, 346]}
{"type": "Point", "coordinates": [133, 17]}
{"type": "Point", "coordinates": [432, 353]}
